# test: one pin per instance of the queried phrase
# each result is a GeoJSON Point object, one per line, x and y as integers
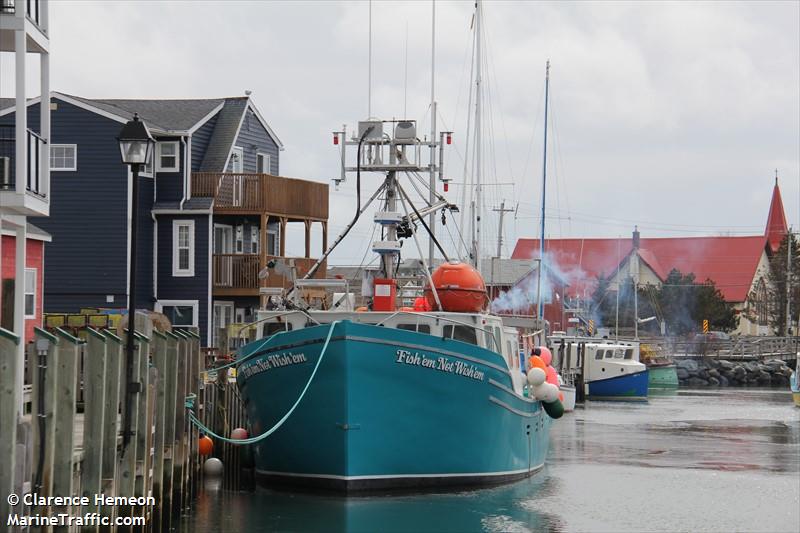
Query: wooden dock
{"type": "Point", "coordinates": [53, 449]}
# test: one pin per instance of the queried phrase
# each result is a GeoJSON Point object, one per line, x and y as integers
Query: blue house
{"type": "Point", "coordinates": [213, 210]}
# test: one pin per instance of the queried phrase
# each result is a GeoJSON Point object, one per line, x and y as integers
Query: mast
{"type": "Point", "coordinates": [478, 93]}
{"type": "Point", "coordinates": [539, 305]}
{"type": "Point", "coordinates": [432, 184]}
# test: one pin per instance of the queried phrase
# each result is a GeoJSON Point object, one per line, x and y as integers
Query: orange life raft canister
{"type": "Point", "coordinates": [460, 288]}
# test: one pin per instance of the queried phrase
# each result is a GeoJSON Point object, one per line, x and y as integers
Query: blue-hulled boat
{"type": "Point", "coordinates": [391, 407]}
{"type": "Point", "coordinates": [601, 369]}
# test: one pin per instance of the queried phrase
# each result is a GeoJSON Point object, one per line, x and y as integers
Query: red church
{"type": "Point", "coordinates": [739, 266]}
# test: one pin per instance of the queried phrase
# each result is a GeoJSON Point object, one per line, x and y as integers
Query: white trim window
{"type": "Point", "coordinates": [30, 293]}
{"type": "Point", "coordinates": [183, 248]}
{"type": "Point", "coordinates": [63, 157]}
{"type": "Point", "coordinates": [254, 236]}
{"type": "Point", "coordinates": [181, 313]}
{"type": "Point", "coordinates": [239, 239]}
{"type": "Point", "coordinates": [167, 159]}
{"type": "Point", "coordinates": [237, 160]}
{"type": "Point", "coordinates": [263, 163]}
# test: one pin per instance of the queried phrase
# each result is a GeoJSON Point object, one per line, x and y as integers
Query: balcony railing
{"type": "Point", "coordinates": [33, 8]}
{"type": "Point", "coordinates": [248, 193]}
{"type": "Point", "coordinates": [34, 181]}
{"type": "Point", "coordinates": [240, 271]}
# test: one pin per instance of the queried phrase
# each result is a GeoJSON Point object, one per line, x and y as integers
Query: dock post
{"type": "Point", "coordinates": [160, 363]}
{"type": "Point", "coordinates": [108, 471]}
{"type": "Point", "coordinates": [180, 454]}
{"type": "Point", "coordinates": [170, 407]}
{"type": "Point", "coordinates": [9, 361]}
{"type": "Point", "coordinates": [194, 431]}
{"type": "Point", "coordinates": [126, 477]}
{"type": "Point", "coordinates": [45, 379]}
{"type": "Point", "coordinates": [69, 353]}
{"type": "Point", "coordinates": [95, 375]}
{"type": "Point", "coordinates": [142, 374]}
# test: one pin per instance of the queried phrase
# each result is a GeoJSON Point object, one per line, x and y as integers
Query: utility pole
{"type": "Point", "coordinates": [502, 210]}
{"type": "Point", "coordinates": [789, 242]}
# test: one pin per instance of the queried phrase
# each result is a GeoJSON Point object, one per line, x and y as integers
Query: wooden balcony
{"type": "Point", "coordinates": [237, 274]}
{"type": "Point", "coordinates": [290, 198]}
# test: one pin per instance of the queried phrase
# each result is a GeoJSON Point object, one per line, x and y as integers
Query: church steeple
{"type": "Point", "coordinates": [776, 221]}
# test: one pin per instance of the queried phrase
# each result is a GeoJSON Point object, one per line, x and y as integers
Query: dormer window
{"type": "Point", "coordinates": [167, 156]}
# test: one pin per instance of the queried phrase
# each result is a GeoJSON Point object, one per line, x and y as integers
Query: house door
{"type": "Point", "coordinates": [223, 260]}
{"type": "Point", "coordinates": [223, 317]}
{"type": "Point", "coordinates": [237, 167]}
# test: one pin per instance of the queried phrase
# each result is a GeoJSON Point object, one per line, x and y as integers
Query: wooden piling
{"type": "Point", "coordinates": [95, 375]}
{"type": "Point", "coordinates": [172, 363]}
{"type": "Point", "coordinates": [114, 357]}
{"type": "Point", "coordinates": [126, 475]}
{"type": "Point", "coordinates": [180, 454]}
{"type": "Point", "coordinates": [160, 364]}
{"type": "Point", "coordinates": [69, 352]}
{"type": "Point", "coordinates": [8, 416]}
{"type": "Point", "coordinates": [142, 375]}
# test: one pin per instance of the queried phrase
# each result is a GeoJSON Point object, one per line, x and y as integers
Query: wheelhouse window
{"type": "Point", "coordinates": [63, 157]}
{"type": "Point", "coordinates": [460, 333]}
{"type": "Point", "coordinates": [421, 328]}
{"type": "Point", "coordinates": [629, 353]}
{"type": "Point", "coordinates": [183, 248]}
{"type": "Point", "coordinates": [599, 354]}
{"type": "Point", "coordinates": [167, 156]}
{"type": "Point", "coordinates": [30, 292]}
{"type": "Point", "coordinates": [180, 313]}
{"type": "Point", "coordinates": [271, 328]}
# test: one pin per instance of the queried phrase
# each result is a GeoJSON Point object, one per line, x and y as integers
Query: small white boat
{"type": "Point", "coordinates": [569, 395]}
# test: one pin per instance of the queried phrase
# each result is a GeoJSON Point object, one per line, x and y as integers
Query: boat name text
{"type": "Point", "coordinates": [442, 364]}
{"type": "Point", "coordinates": [277, 360]}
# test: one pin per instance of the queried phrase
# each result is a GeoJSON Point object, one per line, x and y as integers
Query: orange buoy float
{"type": "Point", "coordinates": [205, 445]}
{"type": "Point", "coordinates": [460, 288]}
{"type": "Point", "coordinates": [536, 362]}
{"type": "Point", "coordinates": [421, 304]}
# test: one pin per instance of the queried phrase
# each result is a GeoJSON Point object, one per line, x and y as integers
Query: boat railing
{"type": "Point", "coordinates": [416, 314]}
{"type": "Point", "coordinates": [251, 325]}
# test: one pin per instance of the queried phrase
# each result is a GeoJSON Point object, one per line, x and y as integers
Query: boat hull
{"type": "Point", "coordinates": [662, 377]}
{"type": "Point", "coordinates": [388, 409]}
{"type": "Point", "coordinates": [795, 387]}
{"type": "Point", "coordinates": [631, 387]}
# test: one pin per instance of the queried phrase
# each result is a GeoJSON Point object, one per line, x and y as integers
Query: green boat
{"type": "Point", "coordinates": [662, 376]}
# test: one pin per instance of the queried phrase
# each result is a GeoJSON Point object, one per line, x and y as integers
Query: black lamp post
{"type": "Point", "coordinates": [136, 145]}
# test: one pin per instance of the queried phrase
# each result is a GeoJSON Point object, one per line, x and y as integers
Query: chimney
{"type": "Point", "coordinates": [635, 237]}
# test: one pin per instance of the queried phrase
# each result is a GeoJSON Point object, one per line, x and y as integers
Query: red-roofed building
{"type": "Point", "coordinates": [739, 266]}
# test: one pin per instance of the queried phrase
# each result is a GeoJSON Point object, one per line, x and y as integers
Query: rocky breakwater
{"type": "Point", "coordinates": [721, 373]}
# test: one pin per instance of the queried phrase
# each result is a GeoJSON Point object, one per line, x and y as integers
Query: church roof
{"type": "Point", "coordinates": [776, 221]}
{"type": "Point", "coordinates": [731, 262]}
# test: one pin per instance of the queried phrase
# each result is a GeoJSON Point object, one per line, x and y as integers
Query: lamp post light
{"type": "Point", "coordinates": [136, 146]}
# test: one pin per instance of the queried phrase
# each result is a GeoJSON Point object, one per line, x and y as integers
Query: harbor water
{"type": "Point", "coordinates": [690, 460]}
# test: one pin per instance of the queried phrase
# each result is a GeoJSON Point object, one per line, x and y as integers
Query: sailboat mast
{"type": "Point", "coordinates": [539, 303]}
{"type": "Point", "coordinates": [478, 95]}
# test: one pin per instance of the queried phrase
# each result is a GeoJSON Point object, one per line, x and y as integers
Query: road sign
{"type": "Point", "coordinates": [705, 326]}
{"type": "Point", "coordinates": [591, 327]}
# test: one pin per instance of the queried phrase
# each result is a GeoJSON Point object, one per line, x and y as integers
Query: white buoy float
{"type": "Point", "coordinates": [213, 467]}
{"type": "Point", "coordinates": [536, 376]}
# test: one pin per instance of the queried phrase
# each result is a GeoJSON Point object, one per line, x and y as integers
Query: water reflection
{"type": "Point", "coordinates": [687, 461]}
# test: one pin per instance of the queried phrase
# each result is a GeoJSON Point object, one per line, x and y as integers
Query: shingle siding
{"type": "Point", "coordinates": [169, 185]}
{"type": "Point", "coordinates": [253, 138]}
{"type": "Point", "coordinates": [200, 140]}
{"type": "Point", "coordinates": [185, 288]}
{"type": "Point", "coordinates": [88, 257]}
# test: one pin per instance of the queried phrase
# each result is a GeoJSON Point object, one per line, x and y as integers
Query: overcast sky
{"type": "Point", "coordinates": [672, 116]}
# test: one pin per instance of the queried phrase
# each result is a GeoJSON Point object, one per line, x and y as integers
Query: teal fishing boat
{"type": "Point", "coordinates": [382, 405]}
